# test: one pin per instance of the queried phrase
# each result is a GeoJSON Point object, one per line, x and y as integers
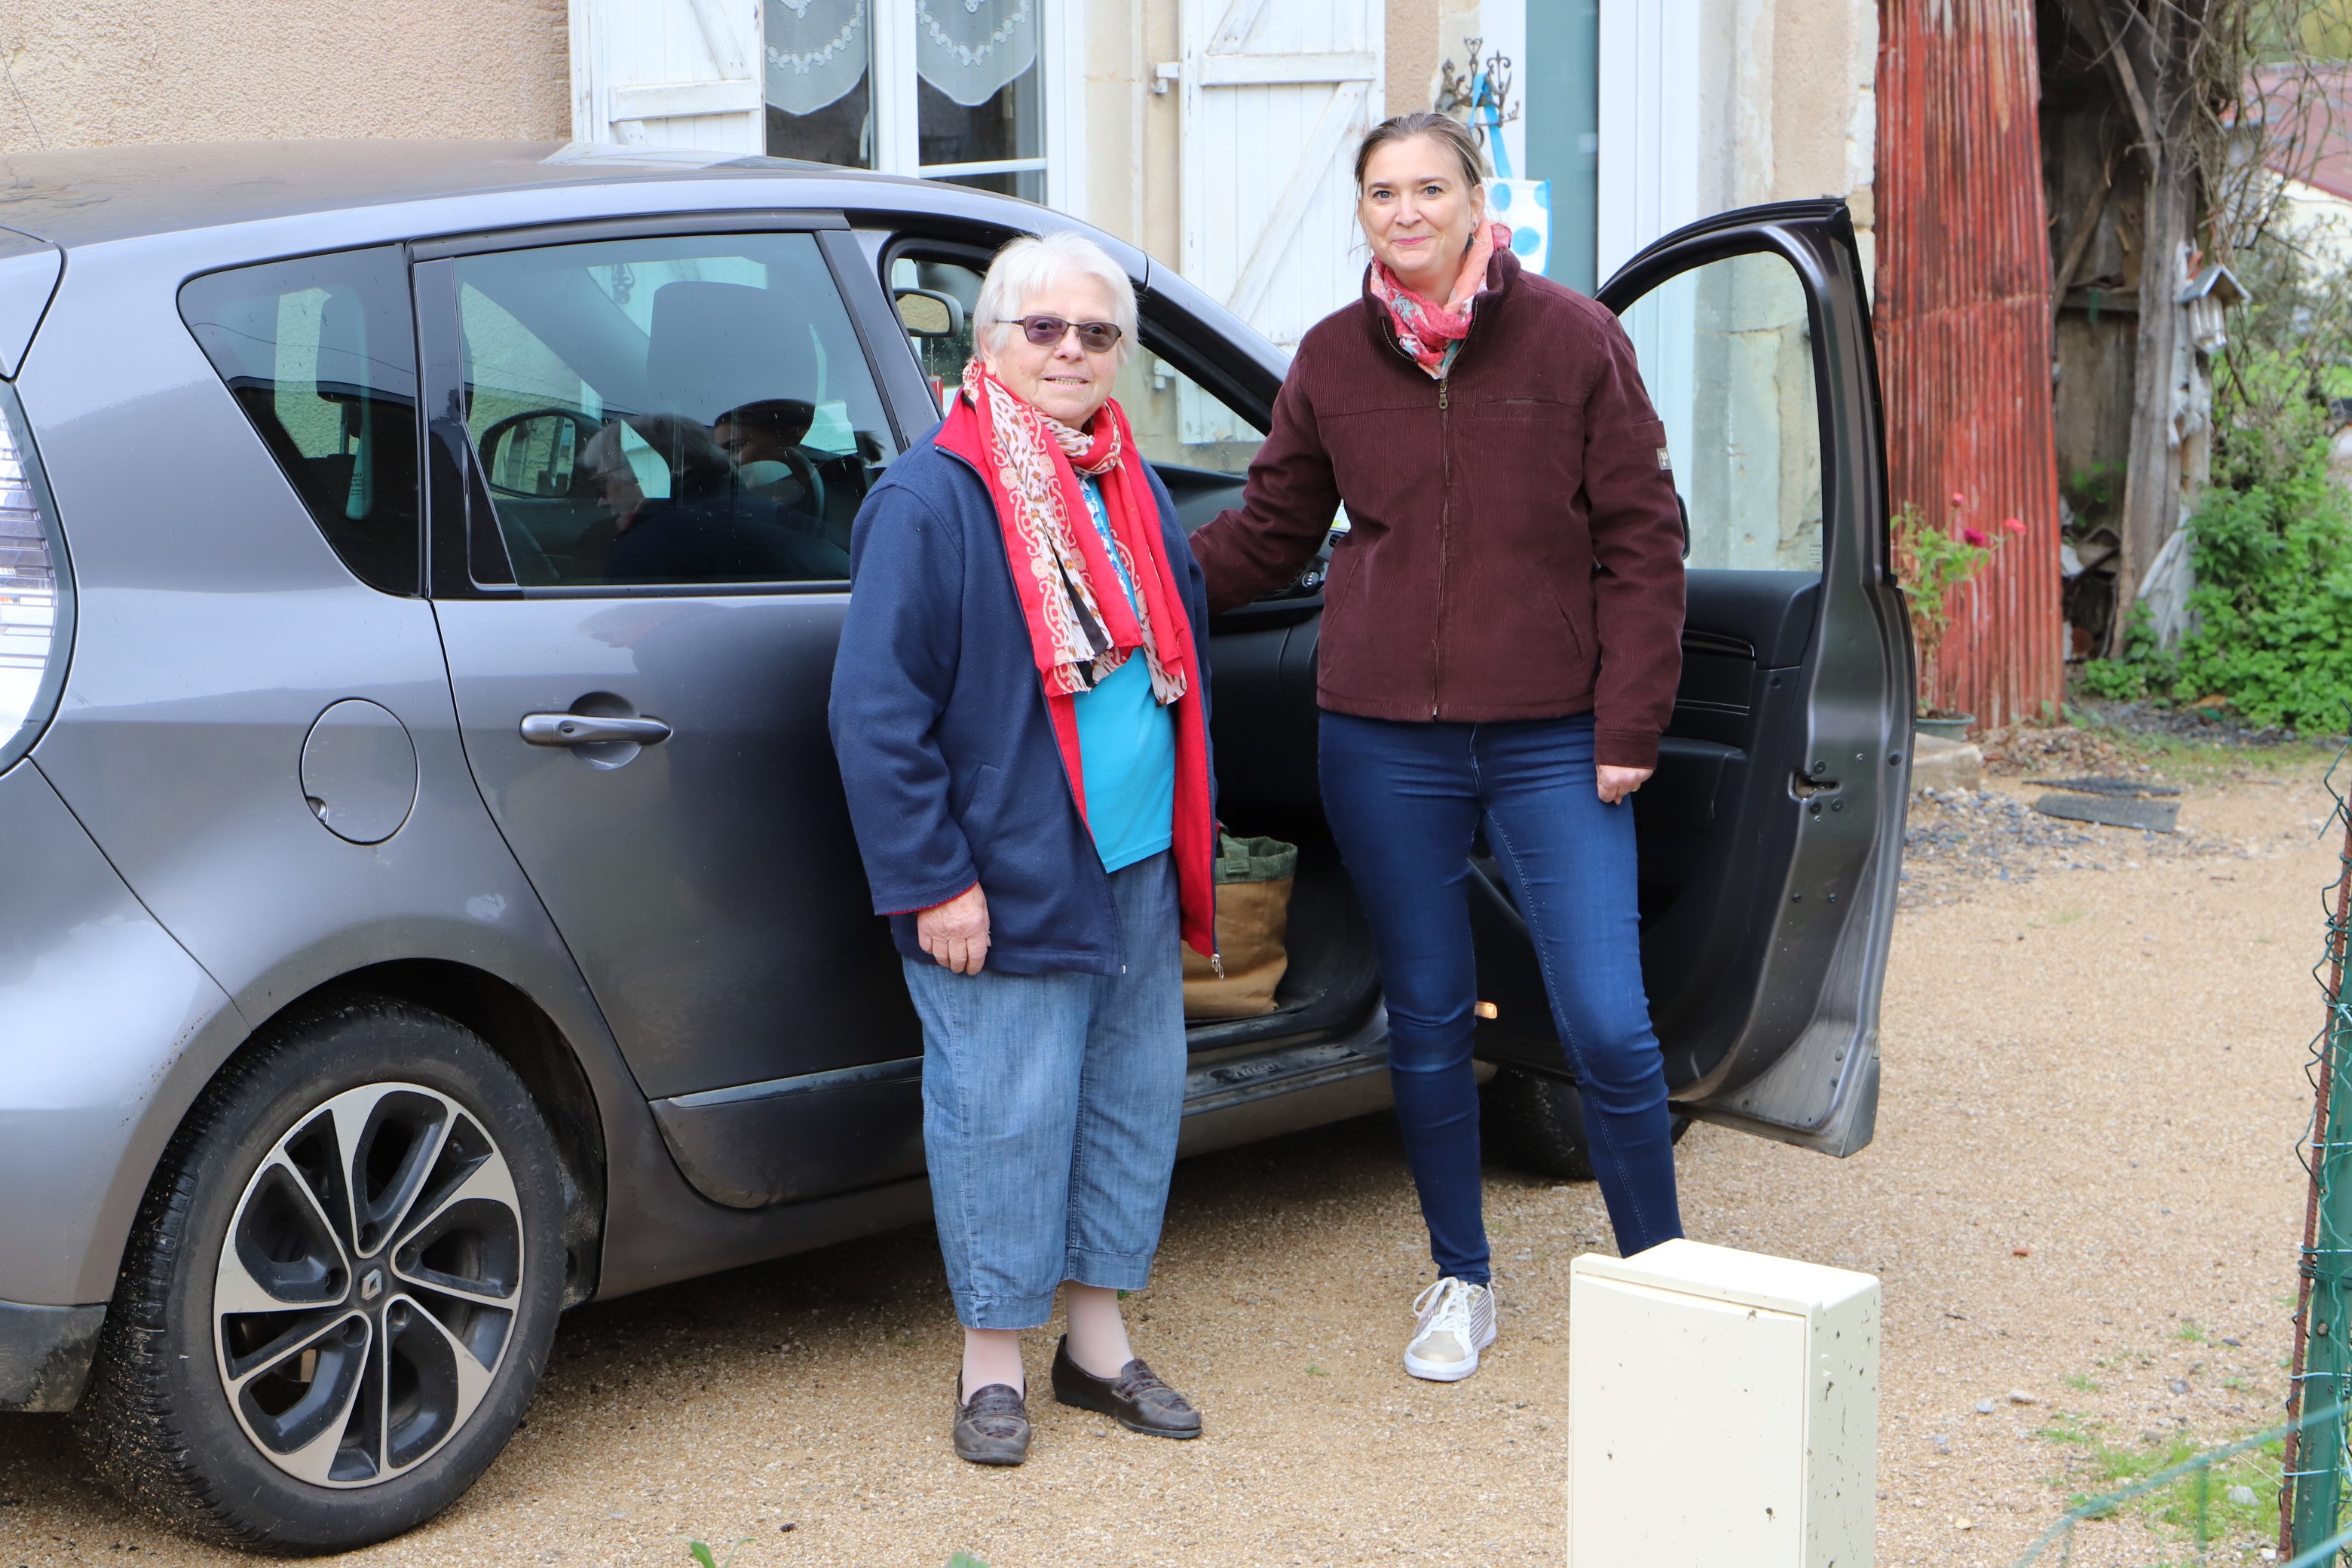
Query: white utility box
{"type": "Point", "coordinates": [1722, 1410]}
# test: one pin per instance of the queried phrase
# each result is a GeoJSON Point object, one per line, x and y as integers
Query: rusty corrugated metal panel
{"type": "Point", "coordinates": [1963, 317]}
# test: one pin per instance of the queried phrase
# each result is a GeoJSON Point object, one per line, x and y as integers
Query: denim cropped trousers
{"type": "Point", "coordinates": [1405, 802]}
{"type": "Point", "coordinates": [1051, 1104]}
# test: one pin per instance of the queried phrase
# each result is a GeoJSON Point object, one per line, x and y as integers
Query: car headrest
{"type": "Point", "coordinates": [717, 346]}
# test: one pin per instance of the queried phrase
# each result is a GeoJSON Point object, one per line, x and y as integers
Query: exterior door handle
{"type": "Point", "coordinates": [591, 729]}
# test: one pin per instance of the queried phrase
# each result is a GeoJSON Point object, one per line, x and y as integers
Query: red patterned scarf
{"type": "Point", "coordinates": [1079, 632]}
{"type": "Point", "coordinates": [1431, 333]}
{"type": "Point", "coordinates": [1081, 624]}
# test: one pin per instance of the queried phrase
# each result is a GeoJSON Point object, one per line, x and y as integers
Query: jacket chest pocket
{"type": "Point", "coordinates": [1524, 411]}
{"type": "Point", "coordinates": [1357, 434]}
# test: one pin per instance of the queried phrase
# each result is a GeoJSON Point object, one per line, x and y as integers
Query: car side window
{"type": "Point", "coordinates": [944, 344]}
{"type": "Point", "coordinates": [1181, 424]}
{"type": "Point", "coordinates": [1178, 422]}
{"type": "Point", "coordinates": [320, 353]}
{"type": "Point", "coordinates": [669, 411]}
{"type": "Point", "coordinates": [1727, 351]}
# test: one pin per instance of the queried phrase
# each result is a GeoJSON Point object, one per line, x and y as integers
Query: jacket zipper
{"type": "Point", "coordinates": [1444, 542]}
{"type": "Point", "coordinates": [1445, 500]}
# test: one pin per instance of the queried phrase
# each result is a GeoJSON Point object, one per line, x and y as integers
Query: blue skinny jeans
{"type": "Point", "coordinates": [1404, 802]}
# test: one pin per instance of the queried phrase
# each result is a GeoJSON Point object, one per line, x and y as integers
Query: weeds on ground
{"type": "Point", "coordinates": [2187, 760]}
{"type": "Point", "coordinates": [2190, 759]}
{"type": "Point", "coordinates": [2236, 1497]}
{"type": "Point", "coordinates": [705, 1558]}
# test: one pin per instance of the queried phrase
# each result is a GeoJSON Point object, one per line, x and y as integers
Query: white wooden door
{"type": "Point", "coordinates": [1277, 94]}
{"type": "Point", "coordinates": [668, 73]}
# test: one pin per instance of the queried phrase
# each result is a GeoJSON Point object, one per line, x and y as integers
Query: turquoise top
{"type": "Point", "coordinates": [1126, 744]}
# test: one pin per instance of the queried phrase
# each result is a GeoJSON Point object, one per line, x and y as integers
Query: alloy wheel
{"type": "Point", "coordinates": [368, 1285]}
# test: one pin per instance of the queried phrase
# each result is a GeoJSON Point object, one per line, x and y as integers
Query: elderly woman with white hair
{"type": "Point", "coordinates": [1020, 707]}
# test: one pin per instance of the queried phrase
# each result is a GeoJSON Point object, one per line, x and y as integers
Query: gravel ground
{"type": "Point", "coordinates": [2083, 1189]}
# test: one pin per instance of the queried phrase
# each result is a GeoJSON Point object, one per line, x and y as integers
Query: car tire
{"type": "Point", "coordinates": [1533, 1123]}
{"type": "Point", "coordinates": [340, 1288]}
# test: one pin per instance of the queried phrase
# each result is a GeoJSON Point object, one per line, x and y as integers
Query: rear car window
{"type": "Point", "coordinates": [321, 352]}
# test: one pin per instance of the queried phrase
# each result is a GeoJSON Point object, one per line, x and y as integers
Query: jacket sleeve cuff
{"type": "Point", "coordinates": [914, 902]}
{"type": "Point", "coordinates": [937, 903]}
{"type": "Point", "coordinates": [1625, 748]}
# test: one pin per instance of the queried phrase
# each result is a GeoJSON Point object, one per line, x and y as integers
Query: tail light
{"type": "Point", "coordinates": [36, 591]}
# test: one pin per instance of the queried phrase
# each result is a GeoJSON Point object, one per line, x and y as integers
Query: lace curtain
{"type": "Point", "coordinates": [971, 49]}
{"type": "Point", "coordinates": [817, 50]}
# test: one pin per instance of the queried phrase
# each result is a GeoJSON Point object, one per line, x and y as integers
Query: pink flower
{"type": "Point", "coordinates": [1959, 499]}
{"type": "Point", "coordinates": [1977, 536]}
{"type": "Point", "coordinates": [2012, 524]}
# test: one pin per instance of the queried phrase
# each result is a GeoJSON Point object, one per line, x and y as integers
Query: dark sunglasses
{"type": "Point", "coordinates": [1095, 337]}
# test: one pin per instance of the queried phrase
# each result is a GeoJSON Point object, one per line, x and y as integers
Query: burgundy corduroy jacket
{"type": "Point", "coordinates": [1515, 550]}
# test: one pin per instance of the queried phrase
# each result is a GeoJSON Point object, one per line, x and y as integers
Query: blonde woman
{"type": "Point", "coordinates": [1500, 645]}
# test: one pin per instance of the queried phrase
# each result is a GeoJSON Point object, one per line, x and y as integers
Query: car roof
{"type": "Point", "coordinates": [93, 194]}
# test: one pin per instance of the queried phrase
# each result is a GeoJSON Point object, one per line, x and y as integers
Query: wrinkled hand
{"type": "Point", "coordinates": [956, 932]}
{"type": "Point", "coordinates": [1616, 784]}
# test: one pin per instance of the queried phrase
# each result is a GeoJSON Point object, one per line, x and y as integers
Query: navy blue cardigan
{"type": "Point", "coordinates": [940, 723]}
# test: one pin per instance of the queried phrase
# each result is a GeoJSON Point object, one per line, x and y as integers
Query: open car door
{"type": "Point", "coordinates": [1771, 834]}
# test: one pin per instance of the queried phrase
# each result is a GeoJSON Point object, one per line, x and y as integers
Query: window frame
{"type": "Point", "coordinates": [461, 527]}
{"type": "Point", "coordinates": [1672, 258]}
{"type": "Point", "coordinates": [892, 83]}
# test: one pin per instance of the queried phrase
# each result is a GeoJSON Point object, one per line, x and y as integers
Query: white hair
{"type": "Point", "coordinates": [1030, 265]}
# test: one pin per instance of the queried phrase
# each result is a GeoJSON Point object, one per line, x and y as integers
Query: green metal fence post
{"type": "Point", "coordinates": [2312, 1490]}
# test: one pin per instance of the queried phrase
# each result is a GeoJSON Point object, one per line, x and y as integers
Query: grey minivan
{"type": "Point", "coordinates": [428, 898]}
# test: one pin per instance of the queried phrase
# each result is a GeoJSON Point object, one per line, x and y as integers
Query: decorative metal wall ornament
{"type": "Point", "coordinates": [1481, 97]}
{"type": "Point", "coordinates": [973, 49]}
{"type": "Point", "coordinates": [816, 52]}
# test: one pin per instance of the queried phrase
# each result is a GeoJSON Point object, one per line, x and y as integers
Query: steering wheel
{"type": "Point", "coordinates": [811, 483]}
{"type": "Point", "coordinates": [584, 425]}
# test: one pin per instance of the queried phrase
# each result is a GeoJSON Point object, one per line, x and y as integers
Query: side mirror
{"type": "Point", "coordinates": [928, 313]}
{"type": "Point", "coordinates": [532, 453]}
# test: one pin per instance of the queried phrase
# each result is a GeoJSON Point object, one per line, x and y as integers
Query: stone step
{"type": "Point", "coordinates": [1938, 764]}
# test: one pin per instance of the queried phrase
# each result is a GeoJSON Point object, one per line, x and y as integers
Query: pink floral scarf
{"type": "Point", "coordinates": [1431, 333]}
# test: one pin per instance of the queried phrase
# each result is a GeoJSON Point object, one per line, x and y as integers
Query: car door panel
{"type": "Point", "coordinates": [702, 871]}
{"type": "Point", "coordinates": [707, 885]}
{"type": "Point", "coordinates": [756, 1144]}
{"type": "Point", "coordinates": [1772, 831]}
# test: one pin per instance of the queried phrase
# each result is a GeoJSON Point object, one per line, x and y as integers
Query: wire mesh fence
{"type": "Point", "coordinates": [2312, 1489]}
{"type": "Point", "coordinates": [2312, 1443]}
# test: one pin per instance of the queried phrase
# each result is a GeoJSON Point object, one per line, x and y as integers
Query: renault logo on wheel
{"type": "Point", "coordinates": [371, 1285]}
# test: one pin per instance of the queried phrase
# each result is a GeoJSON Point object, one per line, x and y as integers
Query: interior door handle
{"type": "Point", "coordinates": [590, 729]}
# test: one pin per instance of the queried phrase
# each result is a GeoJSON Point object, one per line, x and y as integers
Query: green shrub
{"type": "Point", "coordinates": [2270, 542]}
{"type": "Point", "coordinates": [2141, 670]}
{"type": "Point", "coordinates": [2117, 679]}
{"type": "Point", "coordinates": [2273, 604]}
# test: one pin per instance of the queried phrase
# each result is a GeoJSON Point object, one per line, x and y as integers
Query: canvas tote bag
{"type": "Point", "coordinates": [1253, 878]}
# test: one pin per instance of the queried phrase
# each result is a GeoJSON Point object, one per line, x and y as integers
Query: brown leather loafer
{"type": "Point", "coordinates": [1135, 1398]}
{"type": "Point", "coordinates": [992, 1427]}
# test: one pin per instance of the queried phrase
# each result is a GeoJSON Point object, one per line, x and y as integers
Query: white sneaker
{"type": "Point", "coordinates": [1457, 1321]}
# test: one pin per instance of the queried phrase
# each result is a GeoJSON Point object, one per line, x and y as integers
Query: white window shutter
{"type": "Point", "coordinates": [1275, 98]}
{"type": "Point", "coordinates": [668, 73]}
